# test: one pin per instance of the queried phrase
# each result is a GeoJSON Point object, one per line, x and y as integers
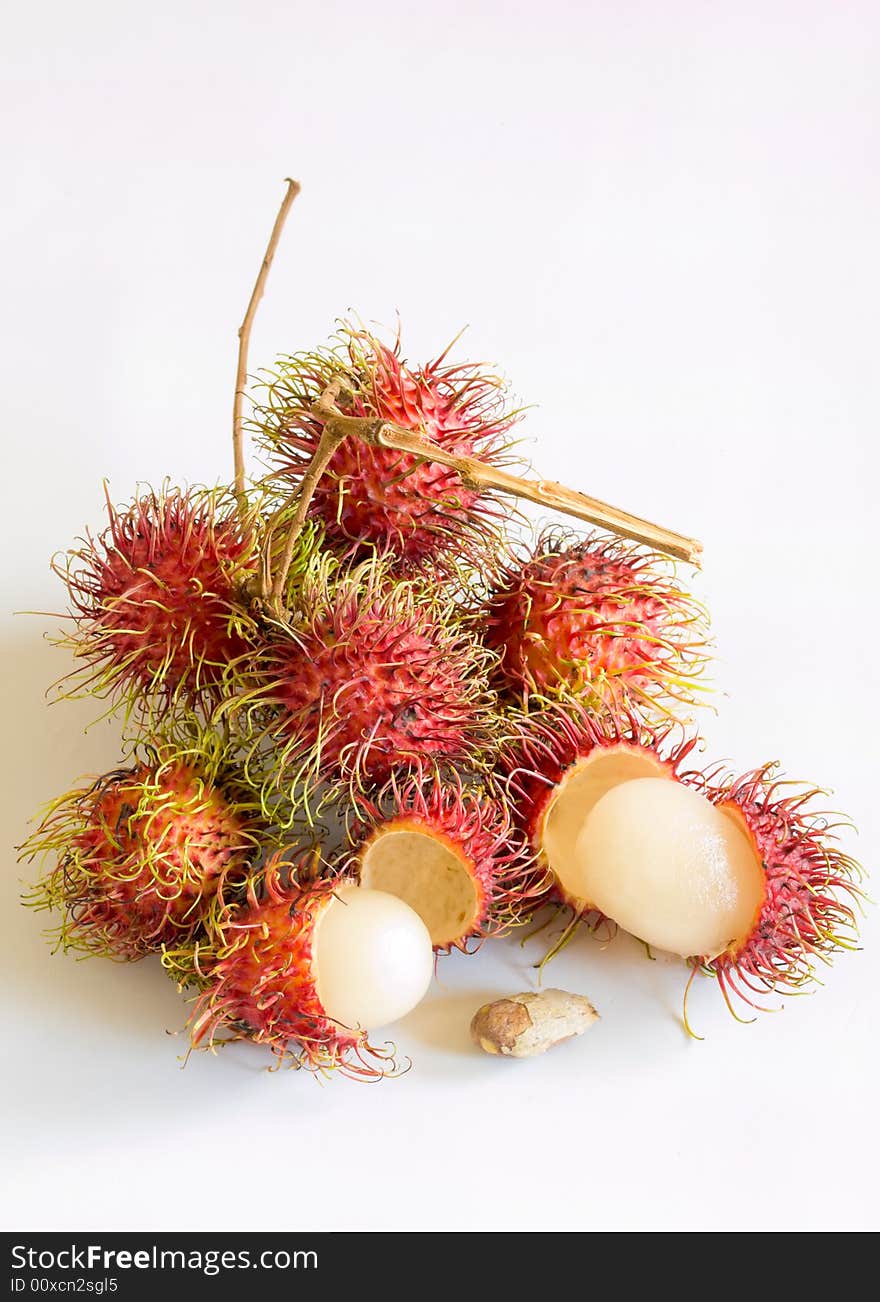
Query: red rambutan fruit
{"type": "Point", "coordinates": [376, 672]}
{"type": "Point", "coordinates": [263, 970]}
{"type": "Point", "coordinates": [734, 876]}
{"type": "Point", "coordinates": [380, 497]}
{"type": "Point", "coordinates": [559, 761]}
{"type": "Point", "coordinates": [451, 851]}
{"type": "Point", "coordinates": [602, 619]}
{"type": "Point", "coordinates": [136, 856]}
{"type": "Point", "coordinates": [156, 597]}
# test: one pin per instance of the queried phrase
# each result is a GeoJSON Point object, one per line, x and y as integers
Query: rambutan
{"type": "Point", "coordinates": [734, 876]}
{"type": "Point", "coordinates": [560, 760]}
{"type": "Point", "coordinates": [303, 969]}
{"type": "Point", "coordinates": [375, 673]}
{"type": "Point", "coordinates": [451, 851]}
{"type": "Point", "coordinates": [808, 887]}
{"type": "Point", "coordinates": [731, 874]}
{"type": "Point", "coordinates": [415, 509]}
{"type": "Point", "coordinates": [598, 618]}
{"type": "Point", "coordinates": [157, 597]}
{"type": "Point", "coordinates": [137, 855]}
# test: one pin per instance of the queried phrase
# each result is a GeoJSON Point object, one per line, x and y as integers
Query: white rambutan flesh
{"type": "Point", "coordinates": [577, 793]}
{"type": "Point", "coordinates": [372, 958]}
{"type": "Point", "coordinates": [668, 866]}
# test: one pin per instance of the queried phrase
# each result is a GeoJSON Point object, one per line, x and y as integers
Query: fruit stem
{"type": "Point", "coordinates": [474, 474]}
{"type": "Point", "coordinates": [244, 336]}
{"type": "Point", "coordinates": [336, 430]}
{"type": "Point", "coordinates": [478, 475]}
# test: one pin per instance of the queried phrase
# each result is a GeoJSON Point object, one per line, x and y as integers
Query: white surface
{"type": "Point", "coordinates": [663, 220]}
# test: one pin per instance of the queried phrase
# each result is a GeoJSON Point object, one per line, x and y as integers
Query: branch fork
{"type": "Point", "coordinates": [475, 474]}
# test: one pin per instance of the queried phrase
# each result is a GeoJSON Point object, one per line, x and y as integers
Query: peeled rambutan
{"type": "Point", "coordinates": [306, 969]}
{"type": "Point", "coordinates": [378, 497]}
{"type": "Point", "coordinates": [376, 672]}
{"type": "Point", "coordinates": [157, 597]}
{"type": "Point", "coordinates": [598, 618]}
{"type": "Point", "coordinates": [137, 856]}
{"type": "Point", "coordinates": [734, 876]}
{"type": "Point", "coordinates": [559, 761]}
{"type": "Point", "coordinates": [451, 851]}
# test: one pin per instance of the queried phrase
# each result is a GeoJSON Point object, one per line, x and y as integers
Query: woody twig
{"type": "Point", "coordinates": [474, 473]}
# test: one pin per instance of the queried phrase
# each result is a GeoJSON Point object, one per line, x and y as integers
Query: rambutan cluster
{"type": "Point", "coordinates": [365, 722]}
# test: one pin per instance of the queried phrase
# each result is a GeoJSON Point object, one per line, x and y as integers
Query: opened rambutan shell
{"type": "Point", "coordinates": [137, 856]}
{"type": "Point", "coordinates": [258, 979]}
{"type": "Point", "coordinates": [373, 497]}
{"type": "Point", "coordinates": [451, 851]}
{"type": "Point", "coordinates": [375, 673]}
{"type": "Point", "coordinates": [157, 598]}
{"type": "Point", "coordinates": [561, 759]}
{"type": "Point", "coordinates": [601, 619]}
{"type": "Point", "coordinates": [734, 875]}
{"type": "Point", "coordinates": [811, 894]}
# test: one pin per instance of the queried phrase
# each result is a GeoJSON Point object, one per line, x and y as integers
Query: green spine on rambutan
{"type": "Point", "coordinates": [418, 511]}
{"type": "Point", "coordinates": [159, 600]}
{"type": "Point", "coordinates": [374, 673]}
{"type": "Point", "coordinates": [131, 859]}
{"type": "Point", "coordinates": [253, 977]}
{"type": "Point", "coordinates": [599, 618]}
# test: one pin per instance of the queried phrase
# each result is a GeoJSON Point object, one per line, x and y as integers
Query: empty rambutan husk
{"type": "Point", "coordinates": [451, 850]}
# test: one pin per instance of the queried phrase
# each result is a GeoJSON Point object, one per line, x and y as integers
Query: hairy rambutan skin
{"type": "Point", "coordinates": [137, 856]}
{"type": "Point", "coordinates": [379, 497]}
{"type": "Point", "coordinates": [376, 673]}
{"type": "Point", "coordinates": [811, 887]}
{"type": "Point", "coordinates": [545, 745]}
{"type": "Point", "coordinates": [599, 618]}
{"type": "Point", "coordinates": [156, 598]}
{"type": "Point", "coordinates": [475, 823]}
{"type": "Point", "coordinates": [256, 981]}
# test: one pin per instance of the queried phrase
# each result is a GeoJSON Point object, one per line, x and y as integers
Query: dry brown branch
{"type": "Point", "coordinates": [244, 335]}
{"type": "Point", "coordinates": [476, 474]}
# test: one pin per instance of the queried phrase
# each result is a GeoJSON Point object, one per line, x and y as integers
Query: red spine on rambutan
{"type": "Point", "coordinates": [602, 619]}
{"type": "Point", "coordinates": [257, 979]}
{"type": "Point", "coordinates": [137, 856]}
{"type": "Point", "coordinates": [380, 497]}
{"type": "Point", "coordinates": [559, 760]}
{"type": "Point", "coordinates": [375, 673]}
{"type": "Point", "coordinates": [808, 912]}
{"type": "Point", "coordinates": [156, 598]}
{"type": "Point", "coordinates": [452, 852]}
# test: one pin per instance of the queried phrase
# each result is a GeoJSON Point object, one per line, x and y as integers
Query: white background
{"type": "Point", "coordinates": [662, 220]}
